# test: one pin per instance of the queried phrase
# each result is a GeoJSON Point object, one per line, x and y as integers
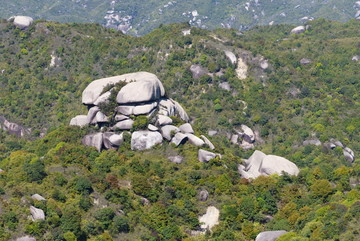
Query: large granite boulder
{"type": "Point", "coordinates": [261, 164]}
{"type": "Point", "coordinates": [22, 21]}
{"type": "Point", "coordinates": [95, 140]}
{"type": "Point", "coordinates": [246, 133]}
{"type": "Point", "coordinates": [164, 120]}
{"type": "Point", "coordinates": [36, 213]}
{"type": "Point", "coordinates": [298, 30]}
{"type": "Point", "coordinates": [269, 235]}
{"type": "Point", "coordinates": [179, 138]}
{"type": "Point", "coordinates": [349, 154]}
{"type": "Point", "coordinates": [92, 113]}
{"type": "Point", "coordinates": [142, 140]}
{"type": "Point", "coordinates": [208, 142]}
{"type": "Point", "coordinates": [210, 218]}
{"type": "Point", "coordinates": [79, 120]}
{"type": "Point", "coordinates": [206, 156]}
{"type": "Point", "coordinates": [124, 125]}
{"type": "Point", "coordinates": [168, 130]}
{"type": "Point", "coordinates": [194, 140]}
{"type": "Point", "coordinates": [186, 128]}
{"type": "Point", "coordinates": [13, 128]}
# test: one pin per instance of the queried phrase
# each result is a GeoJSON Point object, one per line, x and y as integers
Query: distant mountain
{"type": "Point", "coordinates": [139, 17]}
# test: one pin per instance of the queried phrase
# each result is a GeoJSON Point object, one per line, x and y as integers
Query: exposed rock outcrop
{"type": "Point", "coordinates": [269, 235]}
{"type": "Point", "coordinates": [176, 159]}
{"type": "Point", "coordinates": [142, 140]}
{"type": "Point", "coordinates": [206, 156]}
{"type": "Point", "coordinates": [261, 164]}
{"type": "Point", "coordinates": [305, 61]}
{"type": "Point", "coordinates": [13, 128]}
{"type": "Point", "coordinates": [210, 218]}
{"type": "Point", "coordinates": [36, 213]}
{"type": "Point", "coordinates": [22, 21]}
{"type": "Point", "coordinates": [198, 71]}
{"type": "Point", "coordinates": [38, 197]}
{"type": "Point", "coordinates": [26, 238]}
{"type": "Point", "coordinates": [298, 30]}
{"type": "Point", "coordinates": [203, 195]}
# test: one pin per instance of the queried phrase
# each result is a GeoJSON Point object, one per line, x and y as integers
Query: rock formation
{"type": "Point", "coordinates": [21, 21]}
{"type": "Point", "coordinates": [210, 218]}
{"type": "Point", "coordinates": [36, 213]}
{"type": "Point", "coordinates": [298, 30]}
{"type": "Point", "coordinates": [347, 152]}
{"type": "Point", "coordinates": [13, 128]}
{"type": "Point", "coordinates": [133, 103]}
{"type": "Point", "coordinates": [26, 238]}
{"type": "Point", "coordinates": [261, 164]}
{"type": "Point", "coordinates": [269, 235]}
{"type": "Point", "coordinates": [38, 197]}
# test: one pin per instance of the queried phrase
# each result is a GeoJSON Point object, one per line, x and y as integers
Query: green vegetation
{"type": "Point", "coordinates": [132, 195]}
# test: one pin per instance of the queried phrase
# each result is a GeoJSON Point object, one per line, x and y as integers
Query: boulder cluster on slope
{"type": "Point", "coordinates": [261, 164]}
{"type": "Point", "coordinates": [244, 136]}
{"type": "Point", "coordinates": [139, 94]}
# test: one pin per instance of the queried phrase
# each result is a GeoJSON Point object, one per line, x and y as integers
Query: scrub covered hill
{"type": "Point", "coordinates": [287, 88]}
{"type": "Point", "coordinates": [140, 17]}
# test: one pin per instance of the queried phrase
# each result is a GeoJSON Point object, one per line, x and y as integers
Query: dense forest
{"type": "Point", "coordinates": [297, 88]}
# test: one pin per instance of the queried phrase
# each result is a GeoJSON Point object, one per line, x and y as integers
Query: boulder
{"type": "Point", "coordinates": [246, 145]}
{"type": "Point", "coordinates": [212, 132]}
{"type": "Point", "coordinates": [116, 139]}
{"type": "Point", "coordinates": [36, 213]}
{"type": "Point", "coordinates": [13, 128]}
{"type": "Point", "coordinates": [194, 140]}
{"type": "Point", "coordinates": [231, 56]}
{"type": "Point", "coordinates": [272, 164]}
{"type": "Point", "coordinates": [26, 238]}
{"type": "Point", "coordinates": [102, 98]}
{"type": "Point", "coordinates": [349, 154]}
{"type": "Point", "coordinates": [125, 109]}
{"type": "Point", "coordinates": [106, 139]}
{"type": "Point", "coordinates": [144, 109]}
{"type": "Point", "coordinates": [246, 133]}
{"type": "Point", "coordinates": [269, 235]}
{"type": "Point", "coordinates": [186, 128]}
{"type": "Point", "coordinates": [167, 107]}
{"type": "Point", "coordinates": [234, 139]}
{"type": "Point", "coordinates": [252, 165]}
{"type": "Point", "coordinates": [95, 140]}
{"type": "Point", "coordinates": [203, 195]}
{"type": "Point", "coordinates": [120, 117]}
{"type": "Point", "coordinates": [142, 140]}
{"type": "Point", "coordinates": [336, 143]}
{"type": "Point", "coordinates": [100, 118]}
{"type": "Point", "coordinates": [355, 58]}
{"type": "Point", "coordinates": [298, 30]}
{"type": "Point", "coordinates": [315, 142]}
{"type": "Point", "coordinates": [206, 156]}
{"type": "Point", "coordinates": [152, 128]}
{"type": "Point", "coordinates": [179, 138]}
{"type": "Point", "coordinates": [180, 112]}
{"type": "Point", "coordinates": [225, 86]}
{"type": "Point", "coordinates": [23, 21]}
{"type": "Point", "coordinates": [176, 159]}
{"type": "Point", "coordinates": [207, 142]}
{"type": "Point", "coordinates": [198, 71]}
{"type": "Point", "coordinates": [304, 61]}
{"type": "Point", "coordinates": [124, 125]}
{"type": "Point", "coordinates": [92, 113]}
{"type": "Point", "coordinates": [167, 131]}
{"type": "Point", "coordinates": [79, 120]}
{"type": "Point", "coordinates": [145, 87]}
{"type": "Point", "coordinates": [210, 218]}
{"type": "Point", "coordinates": [164, 120]}
{"type": "Point", "coordinates": [38, 197]}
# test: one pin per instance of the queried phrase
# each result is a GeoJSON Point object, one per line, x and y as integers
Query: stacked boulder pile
{"type": "Point", "coordinates": [140, 94]}
{"type": "Point", "coordinates": [261, 164]}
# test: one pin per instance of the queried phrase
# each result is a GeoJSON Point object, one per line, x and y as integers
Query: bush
{"type": "Point", "coordinates": [121, 224]}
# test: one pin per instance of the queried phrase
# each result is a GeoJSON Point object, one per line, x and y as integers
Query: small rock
{"type": "Point", "coordinates": [176, 159]}
{"type": "Point", "coordinates": [194, 140]}
{"type": "Point", "coordinates": [225, 86]}
{"type": "Point", "coordinates": [167, 131]}
{"type": "Point", "coordinates": [304, 61]}
{"type": "Point", "coordinates": [164, 120]}
{"type": "Point", "coordinates": [38, 197]}
{"type": "Point", "coordinates": [212, 132]}
{"type": "Point", "coordinates": [246, 133]}
{"type": "Point", "coordinates": [145, 201]}
{"type": "Point", "coordinates": [234, 139]}
{"type": "Point", "coordinates": [298, 30]}
{"type": "Point", "coordinates": [210, 218]}
{"type": "Point", "coordinates": [269, 235]}
{"type": "Point", "coordinates": [37, 214]}
{"type": "Point", "coordinates": [179, 138]}
{"type": "Point", "coordinates": [355, 58]}
{"type": "Point", "coordinates": [206, 156]}
{"type": "Point", "coordinates": [203, 195]}
{"type": "Point", "coordinates": [315, 142]}
{"type": "Point", "coordinates": [79, 120]}
{"type": "Point", "coordinates": [186, 128]}
{"type": "Point", "coordinates": [198, 71]}
{"type": "Point", "coordinates": [207, 142]}
{"type": "Point", "coordinates": [152, 128]}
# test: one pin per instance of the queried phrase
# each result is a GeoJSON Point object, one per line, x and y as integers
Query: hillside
{"type": "Point", "coordinates": [290, 89]}
{"type": "Point", "coordinates": [140, 17]}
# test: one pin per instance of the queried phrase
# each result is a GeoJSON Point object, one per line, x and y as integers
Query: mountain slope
{"type": "Point", "coordinates": [139, 17]}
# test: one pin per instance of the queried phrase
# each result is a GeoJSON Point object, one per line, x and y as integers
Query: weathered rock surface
{"type": "Point", "coordinates": [26, 238]}
{"type": "Point", "coordinates": [198, 71]}
{"type": "Point", "coordinates": [234, 139]}
{"type": "Point", "coordinates": [116, 139]}
{"type": "Point", "coordinates": [95, 140]}
{"type": "Point", "coordinates": [101, 117]}
{"type": "Point", "coordinates": [38, 197]}
{"type": "Point", "coordinates": [194, 140]}
{"type": "Point", "coordinates": [164, 120]}
{"type": "Point", "coordinates": [13, 128]}
{"type": "Point", "coordinates": [36, 213]}
{"type": "Point", "coordinates": [269, 235]}
{"type": "Point", "coordinates": [186, 128]}
{"type": "Point", "coordinates": [92, 113]}
{"type": "Point", "coordinates": [22, 21]}
{"type": "Point", "coordinates": [79, 120]}
{"type": "Point", "coordinates": [102, 98]}
{"type": "Point", "coordinates": [225, 86]}
{"type": "Point", "coordinates": [179, 138]}
{"type": "Point", "coordinates": [176, 159]}
{"type": "Point", "coordinates": [315, 142]}
{"type": "Point", "coordinates": [124, 125]}
{"type": "Point", "coordinates": [167, 131]}
{"type": "Point", "coordinates": [203, 195]}
{"type": "Point", "coordinates": [210, 218]}
{"type": "Point", "coordinates": [298, 30]}
{"type": "Point", "coordinates": [246, 133]}
{"type": "Point", "coordinates": [208, 142]}
{"type": "Point", "coordinates": [231, 56]}
{"type": "Point", "coordinates": [206, 156]}
{"type": "Point", "coordinates": [142, 140]}
{"type": "Point", "coordinates": [261, 164]}
{"type": "Point", "coordinates": [304, 61]}
{"type": "Point", "coordinates": [152, 128]}
{"type": "Point", "coordinates": [212, 132]}
{"type": "Point", "coordinates": [120, 117]}
{"type": "Point", "coordinates": [349, 154]}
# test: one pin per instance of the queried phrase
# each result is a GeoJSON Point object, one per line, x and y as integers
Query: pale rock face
{"type": "Point", "coordinates": [116, 139]}
{"type": "Point", "coordinates": [23, 21]}
{"type": "Point", "coordinates": [241, 70]}
{"type": "Point", "coordinates": [186, 128]}
{"type": "Point", "coordinates": [315, 142]}
{"type": "Point", "coordinates": [164, 120]}
{"type": "Point", "coordinates": [225, 86]}
{"type": "Point", "coordinates": [212, 132]}
{"type": "Point", "coordinates": [38, 197]}
{"type": "Point", "coordinates": [298, 30]}
{"type": "Point", "coordinates": [198, 71]}
{"type": "Point", "coordinates": [246, 145]}
{"type": "Point", "coordinates": [120, 117]}
{"type": "Point", "coordinates": [95, 140]}
{"type": "Point", "coordinates": [208, 142]}
{"type": "Point", "coordinates": [261, 164]}
{"type": "Point", "coordinates": [125, 109]}
{"type": "Point", "coordinates": [234, 139]}
{"type": "Point", "coordinates": [92, 113]}
{"type": "Point", "coordinates": [152, 128]}
{"type": "Point", "coordinates": [124, 125]}
{"type": "Point", "coordinates": [146, 87]}
{"type": "Point", "coordinates": [179, 138]}
{"type": "Point", "coordinates": [102, 98]}
{"type": "Point", "coordinates": [101, 117]}
{"type": "Point", "coordinates": [106, 140]}
{"type": "Point", "coordinates": [349, 154]}
{"type": "Point", "coordinates": [13, 128]}
{"type": "Point", "coordinates": [176, 159]}
{"type": "Point", "coordinates": [206, 156]}
{"type": "Point", "coordinates": [144, 109]}
{"type": "Point", "coordinates": [80, 120]}
{"type": "Point", "coordinates": [247, 133]}
{"type": "Point", "coordinates": [269, 235]}
{"type": "Point", "coordinates": [181, 112]}
{"type": "Point", "coordinates": [305, 61]}
{"type": "Point", "coordinates": [210, 218]}
{"type": "Point", "coordinates": [36, 213]}
{"type": "Point", "coordinates": [194, 140]}
{"type": "Point", "coordinates": [150, 87]}
{"type": "Point", "coordinates": [355, 58]}
{"type": "Point", "coordinates": [166, 131]}
{"type": "Point", "coordinates": [142, 140]}
{"type": "Point", "coordinates": [26, 238]}
{"type": "Point", "coordinates": [231, 56]}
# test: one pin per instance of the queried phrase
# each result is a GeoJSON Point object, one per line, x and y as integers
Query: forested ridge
{"type": "Point", "coordinates": [141, 195]}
